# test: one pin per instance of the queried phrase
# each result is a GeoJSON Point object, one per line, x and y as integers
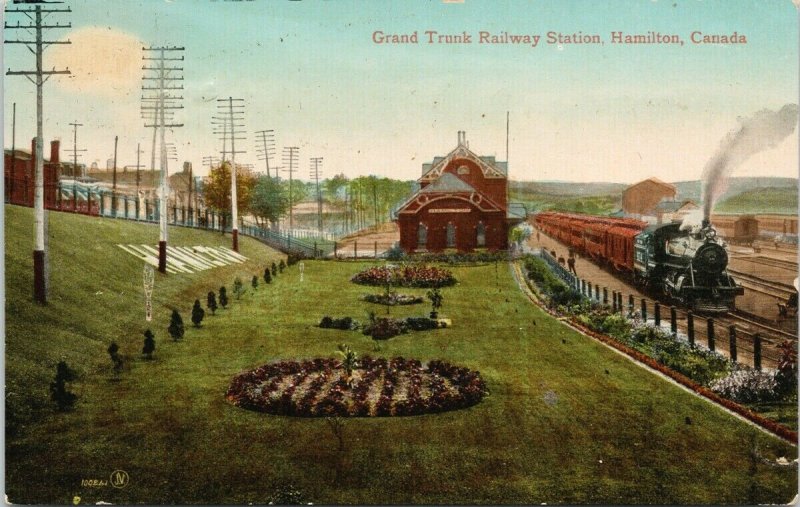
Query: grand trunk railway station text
{"type": "Point", "coordinates": [428, 37]}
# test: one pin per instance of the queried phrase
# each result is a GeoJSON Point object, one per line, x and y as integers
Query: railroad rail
{"type": "Point", "coordinates": [758, 284]}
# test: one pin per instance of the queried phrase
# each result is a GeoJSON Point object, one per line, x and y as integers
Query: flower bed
{"type": "Point", "coordinates": [392, 299]}
{"type": "Point", "coordinates": [405, 276]}
{"type": "Point", "coordinates": [606, 337]}
{"type": "Point", "coordinates": [377, 388]}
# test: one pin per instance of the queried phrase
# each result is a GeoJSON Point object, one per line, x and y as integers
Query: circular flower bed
{"type": "Point", "coordinates": [406, 276]}
{"type": "Point", "coordinates": [376, 387]}
{"type": "Point", "coordinates": [392, 299]}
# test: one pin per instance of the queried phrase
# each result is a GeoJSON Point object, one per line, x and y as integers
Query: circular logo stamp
{"type": "Point", "coordinates": [119, 478]}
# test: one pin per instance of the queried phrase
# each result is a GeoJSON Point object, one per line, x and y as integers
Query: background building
{"type": "Point", "coordinates": [462, 204]}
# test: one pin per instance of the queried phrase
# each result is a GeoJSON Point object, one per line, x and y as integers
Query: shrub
{"type": "Point", "coordinates": [746, 385]}
{"type": "Point", "coordinates": [197, 313]}
{"type": "Point", "coordinates": [345, 323]}
{"type": "Point", "coordinates": [254, 282]}
{"type": "Point", "coordinates": [281, 266]}
{"type": "Point", "coordinates": [436, 299]}
{"type": "Point", "coordinates": [267, 276]}
{"type": "Point", "coordinates": [176, 326]}
{"type": "Point", "coordinates": [113, 352]}
{"type": "Point", "coordinates": [149, 344]}
{"type": "Point", "coordinates": [58, 388]}
{"type": "Point", "coordinates": [211, 302]}
{"type": "Point", "coordinates": [395, 253]}
{"type": "Point", "coordinates": [384, 328]}
{"type": "Point", "coordinates": [237, 287]}
{"type": "Point", "coordinates": [223, 297]}
{"type": "Point", "coordinates": [274, 269]}
{"type": "Point", "coordinates": [421, 323]}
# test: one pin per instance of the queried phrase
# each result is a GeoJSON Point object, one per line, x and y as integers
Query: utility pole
{"type": "Point", "coordinates": [36, 16]}
{"type": "Point", "coordinates": [231, 111]}
{"type": "Point", "coordinates": [291, 155]}
{"type": "Point", "coordinates": [114, 181]}
{"type": "Point", "coordinates": [75, 156]}
{"type": "Point", "coordinates": [162, 74]}
{"type": "Point", "coordinates": [13, 152]}
{"type": "Point", "coordinates": [267, 149]}
{"type": "Point", "coordinates": [316, 162]}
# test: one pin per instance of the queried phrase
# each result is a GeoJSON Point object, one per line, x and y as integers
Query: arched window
{"type": "Point", "coordinates": [451, 235]}
{"type": "Point", "coordinates": [422, 235]}
{"type": "Point", "coordinates": [480, 232]}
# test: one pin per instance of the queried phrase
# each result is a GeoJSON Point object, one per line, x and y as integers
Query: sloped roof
{"type": "Point", "coordinates": [671, 206]}
{"type": "Point", "coordinates": [490, 167]}
{"type": "Point", "coordinates": [448, 182]}
{"type": "Point", "coordinates": [516, 211]}
{"type": "Point", "coordinates": [656, 181]}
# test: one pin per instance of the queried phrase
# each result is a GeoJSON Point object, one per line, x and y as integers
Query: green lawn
{"type": "Point", "coordinates": [567, 420]}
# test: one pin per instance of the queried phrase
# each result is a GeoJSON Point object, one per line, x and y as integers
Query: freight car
{"type": "Point", "coordinates": [686, 265]}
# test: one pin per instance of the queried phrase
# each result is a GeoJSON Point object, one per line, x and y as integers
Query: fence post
{"type": "Point", "coordinates": [355, 249]}
{"type": "Point", "coordinates": [644, 309]}
{"type": "Point", "coordinates": [657, 313]}
{"type": "Point", "coordinates": [137, 207]}
{"type": "Point", "coordinates": [102, 204]}
{"type": "Point", "coordinates": [732, 345]}
{"type": "Point", "coordinates": [88, 202]}
{"type": "Point", "coordinates": [335, 252]}
{"type": "Point", "coordinates": [376, 249]}
{"type": "Point", "coordinates": [757, 351]}
{"type": "Point", "coordinates": [690, 327]}
{"type": "Point", "coordinates": [315, 249]}
{"type": "Point", "coordinates": [605, 295]}
{"type": "Point", "coordinates": [710, 332]}
{"type": "Point", "coordinates": [673, 321]}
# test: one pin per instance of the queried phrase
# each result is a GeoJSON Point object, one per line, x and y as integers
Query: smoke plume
{"type": "Point", "coordinates": [765, 129]}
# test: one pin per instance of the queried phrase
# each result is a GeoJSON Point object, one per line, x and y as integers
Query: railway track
{"type": "Point", "coordinates": [768, 261]}
{"type": "Point", "coordinates": [758, 284]}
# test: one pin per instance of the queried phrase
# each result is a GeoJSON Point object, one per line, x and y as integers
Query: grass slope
{"type": "Point", "coordinates": [761, 200]}
{"type": "Point", "coordinates": [567, 421]}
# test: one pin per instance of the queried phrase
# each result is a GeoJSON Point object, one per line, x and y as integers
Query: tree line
{"type": "Point", "coordinates": [352, 203]}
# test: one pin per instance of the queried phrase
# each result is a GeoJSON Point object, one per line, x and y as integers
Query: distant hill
{"type": "Point", "coordinates": [691, 189]}
{"type": "Point", "coordinates": [761, 200]}
{"type": "Point", "coordinates": [565, 188]}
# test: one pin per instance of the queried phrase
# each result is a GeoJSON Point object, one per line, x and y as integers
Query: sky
{"type": "Point", "coordinates": [311, 71]}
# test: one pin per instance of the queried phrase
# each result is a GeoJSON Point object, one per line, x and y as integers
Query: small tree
{"type": "Point", "coordinates": [349, 360]}
{"type": "Point", "coordinates": [197, 313]}
{"type": "Point", "coordinates": [58, 387]}
{"type": "Point", "coordinates": [267, 276]}
{"type": "Point", "coordinates": [176, 326]}
{"type": "Point", "coordinates": [149, 344]}
{"type": "Point", "coordinates": [237, 287]}
{"type": "Point", "coordinates": [436, 299]}
{"type": "Point", "coordinates": [211, 302]}
{"type": "Point", "coordinates": [254, 282]}
{"type": "Point", "coordinates": [223, 297]}
{"type": "Point", "coordinates": [274, 269]}
{"type": "Point", "coordinates": [113, 352]}
{"type": "Point", "coordinates": [281, 266]}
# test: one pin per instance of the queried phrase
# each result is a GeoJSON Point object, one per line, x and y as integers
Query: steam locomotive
{"type": "Point", "coordinates": [687, 265]}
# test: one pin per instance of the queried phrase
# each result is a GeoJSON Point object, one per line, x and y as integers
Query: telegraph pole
{"type": "Point", "coordinates": [234, 109]}
{"type": "Point", "coordinates": [36, 15]}
{"type": "Point", "coordinates": [316, 170]}
{"type": "Point", "coordinates": [267, 148]}
{"type": "Point", "coordinates": [162, 74]}
{"type": "Point", "coordinates": [114, 181]}
{"type": "Point", "coordinates": [75, 156]}
{"type": "Point", "coordinates": [290, 157]}
{"type": "Point", "coordinates": [13, 152]}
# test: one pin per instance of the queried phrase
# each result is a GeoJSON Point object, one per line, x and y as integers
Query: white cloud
{"type": "Point", "coordinates": [103, 61]}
